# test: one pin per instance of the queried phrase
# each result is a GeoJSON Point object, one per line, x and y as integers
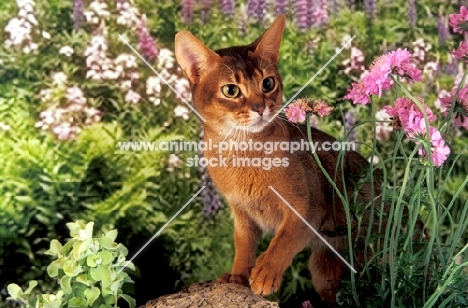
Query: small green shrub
{"type": "Point", "coordinates": [88, 269]}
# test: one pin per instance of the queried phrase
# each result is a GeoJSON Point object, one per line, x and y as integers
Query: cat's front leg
{"type": "Point", "coordinates": [291, 238]}
{"type": "Point", "coordinates": [246, 235]}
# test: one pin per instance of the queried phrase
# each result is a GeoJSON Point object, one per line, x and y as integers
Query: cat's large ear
{"type": "Point", "coordinates": [193, 56]}
{"type": "Point", "coordinates": [268, 45]}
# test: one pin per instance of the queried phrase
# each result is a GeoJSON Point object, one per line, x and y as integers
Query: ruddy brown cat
{"type": "Point", "coordinates": [238, 90]}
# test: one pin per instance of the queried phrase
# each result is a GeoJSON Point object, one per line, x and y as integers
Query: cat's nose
{"type": "Point", "coordinates": [260, 108]}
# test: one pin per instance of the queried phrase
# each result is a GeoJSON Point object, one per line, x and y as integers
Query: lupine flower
{"type": "Point", "coordinates": [350, 3]}
{"type": "Point", "coordinates": [377, 79]}
{"type": "Point", "coordinates": [412, 13]}
{"type": "Point", "coordinates": [406, 114]}
{"type": "Point", "coordinates": [443, 30]}
{"type": "Point", "coordinates": [281, 6]}
{"type": "Point", "coordinates": [78, 15]}
{"type": "Point", "coordinates": [256, 9]}
{"type": "Point", "coordinates": [459, 22]}
{"type": "Point", "coordinates": [462, 52]}
{"type": "Point", "coordinates": [187, 11]}
{"type": "Point", "coordinates": [460, 110]}
{"type": "Point", "coordinates": [300, 7]}
{"type": "Point", "coordinates": [146, 43]}
{"type": "Point", "coordinates": [439, 150]}
{"type": "Point", "coordinates": [370, 7]}
{"type": "Point", "coordinates": [349, 121]}
{"type": "Point", "coordinates": [227, 7]}
{"type": "Point", "coordinates": [205, 10]}
{"type": "Point", "coordinates": [210, 197]}
{"type": "Point", "coordinates": [317, 13]}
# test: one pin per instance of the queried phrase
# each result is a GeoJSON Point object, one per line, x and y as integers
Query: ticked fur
{"type": "Point", "coordinates": [255, 206]}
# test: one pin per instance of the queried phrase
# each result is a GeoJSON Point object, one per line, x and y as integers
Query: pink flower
{"type": "Point", "coordinates": [462, 51]}
{"type": "Point", "coordinates": [358, 94]}
{"type": "Point", "coordinates": [460, 110]}
{"type": "Point", "coordinates": [459, 22]}
{"type": "Point", "coordinates": [377, 79]}
{"type": "Point", "coordinates": [321, 108]}
{"type": "Point", "coordinates": [295, 113]}
{"type": "Point", "coordinates": [406, 114]}
{"type": "Point", "coordinates": [439, 150]}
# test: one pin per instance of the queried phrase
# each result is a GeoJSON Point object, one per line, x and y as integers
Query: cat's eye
{"type": "Point", "coordinates": [230, 90]}
{"type": "Point", "coordinates": [268, 84]}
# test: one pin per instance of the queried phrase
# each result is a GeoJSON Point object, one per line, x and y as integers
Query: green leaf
{"type": "Point", "coordinates": [101, 273]}
{"type": "Point", "coordinates": [83, 278]}
{"type": "Point", "coordinates": [91, 260]}
{"type": "Point", "coordinates": [31, 286]}
{"type": "Point", "coordinates": [65, 284]}
{"type": "Point", "coordinates": [91, 295]}
{"type": "Point", "coordinates": [130, 300]}
{"type": "Point", "coordinates": [71, 269]}
{"type": "Point", "coordinates": [77, 302]}
{"type": "Point", "coordinates": [54, 249]}
{"type": "Point", "coordinates": [107, 243]}
{"type": "Point", "coordinates": [14, 290]}
{"type": "Point", "coordinates": [106, 256]}
{"type": "Point", "coordinates": [112, 235]}
{"type": "Point", "coordinates": [89, 229]}
{"type": "Point", "coordinates": [53, 268]}
{"type": "Point", "coordinates": [74, 228]}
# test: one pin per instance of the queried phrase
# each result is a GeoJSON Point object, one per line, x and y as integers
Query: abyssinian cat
{"type": "Point", "coordinates": [238, 90]}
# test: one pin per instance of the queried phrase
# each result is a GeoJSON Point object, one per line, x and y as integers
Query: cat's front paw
{"type": "Point", "coordinates": [237, 279]}
{"type": "Point", "coordinates": [264, 279]}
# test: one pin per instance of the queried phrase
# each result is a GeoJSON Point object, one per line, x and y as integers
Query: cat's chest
{"type": "Point", "coordinates": [248, 189]}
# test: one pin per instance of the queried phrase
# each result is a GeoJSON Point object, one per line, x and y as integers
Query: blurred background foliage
{"type": "Point", "coordinates": [60, 126]}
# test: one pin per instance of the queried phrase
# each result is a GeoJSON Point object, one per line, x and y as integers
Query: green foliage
{"type": "Point", "coordinates": [90, 272]}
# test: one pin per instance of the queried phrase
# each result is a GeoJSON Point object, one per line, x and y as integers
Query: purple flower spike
{"type": "Point", "coordinates": [412, 13]}
{"type": "Point", "coordinates": [281, 6]}
{"type": "Point", "coordinates": [370, 7]}
{"type": "Point", "coordinates": [78, 15]}
{"type": "Point", "coordinates": [187, 11]}
{"type": "Point", "coordinates": [206, 4]}
{"type": "Point", "coordinates": [443, 30]}
{"type": "Point", "coordinates": [146, 43]}
{"type": "Point", "coordinates": [227, 6]}
{"type": "Point", "coordinates": [318, 13]}
{"type": "Point", "coordinates": [300, 8]}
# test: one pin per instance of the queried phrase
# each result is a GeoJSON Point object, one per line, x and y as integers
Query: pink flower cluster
{"type": "Point", "coordinates": [460, 108]}
{"type": "Point", "coordinates": [296, 111]}
{"type": "Point", "coordinates": [68, 111]}
{"type": "Point", "coordinates": [407, 115]}
{"type": "Point", "coordinates": [459, 23]}
{"type": "Point", "coordinates": [378, 78]}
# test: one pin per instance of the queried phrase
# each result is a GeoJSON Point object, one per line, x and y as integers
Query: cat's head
{"type": "Point", "coordinates": [237, 87]}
